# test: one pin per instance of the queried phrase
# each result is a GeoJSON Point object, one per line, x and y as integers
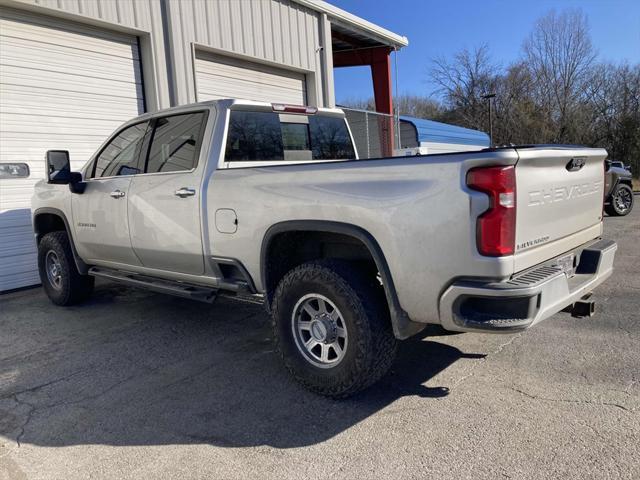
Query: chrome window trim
{"type": "Point", "coordinates": [142, 175]}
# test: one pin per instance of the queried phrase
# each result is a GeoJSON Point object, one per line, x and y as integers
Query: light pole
{"type": "Point", "coordinates": [488, 97]}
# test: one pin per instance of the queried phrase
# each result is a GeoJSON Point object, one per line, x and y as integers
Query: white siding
{"type": "Point", "coordinates": [62, 86]}
{"type": "Point", "coordinates": [277, 31]}
{"type": "Point", "coordinates": [145, 16]}
{"type": "Point", "coordinates": [225, 77]}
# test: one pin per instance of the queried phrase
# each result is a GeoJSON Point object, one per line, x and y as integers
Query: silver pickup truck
{"type": "Point", "coordinates": [270, 202]}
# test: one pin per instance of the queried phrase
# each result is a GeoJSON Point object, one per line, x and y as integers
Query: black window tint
{"type": "Point", "coordinates": [330, 138]}
{"type": "Point", "coordinates": [254, 136]}
{"type": "Point", "coordinates": [121, 155]}
{"type": "Point", "coordinates": [259, 136]}
{"type": "Point", "coordinates": [176, 143]}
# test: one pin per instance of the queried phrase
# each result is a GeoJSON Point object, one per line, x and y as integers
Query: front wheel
{"type": "Point", "coordinates": [62, 282]}
{"type": "Point", "coordinates": [332, 328]}
{"type": "Point", "coordinates": [621, 201]}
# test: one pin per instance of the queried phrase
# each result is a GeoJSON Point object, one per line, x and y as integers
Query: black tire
{"type": "Point", "coordinates": [371, 345]}
{"type": "Point", "coordinates": [620, 201]}
{"type": "Point", "coordinates": [69, 287]}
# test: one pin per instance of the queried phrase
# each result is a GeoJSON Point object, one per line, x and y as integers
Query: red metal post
{"type": "Point", "coordinates": [378, 58]}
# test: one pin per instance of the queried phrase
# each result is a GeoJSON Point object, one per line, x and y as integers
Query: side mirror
{"type": "Point", "coordinates": [607, 165]}
{"type": "Point", "coordinates": [58, 167]}
{"type": "Point", "coordinates": [59, 171]}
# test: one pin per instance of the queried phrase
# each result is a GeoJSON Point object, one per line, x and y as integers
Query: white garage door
{"type": "Point", "coordinates": [218, 76]}
{"type": "Point", "coordinates": [62, 86]}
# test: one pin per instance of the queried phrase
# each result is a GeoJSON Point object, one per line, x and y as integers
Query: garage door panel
{"type": "Point", "coordinates": [214, 85]}
{"type": "Point", "coordinates": [63, 85]}
{"type": "Point", "coordinates": [69, 53]}
{"type": "Point", "coordinates": [20, 124]}
{"type": "Point", "coordinates": [224, 77]}
{"type": "Point", "coordinates": [16, 99]}
{"type": "Point", "coordinates": [252, 72]}
{"type": "Point", "coordinates": [121, 71]}
{"type": "Point", "coordinates": [227, 88]}
{"type": "Point", "coordinates": [27, 26]}
{"type": "Point", "coordinates": [72, 81]}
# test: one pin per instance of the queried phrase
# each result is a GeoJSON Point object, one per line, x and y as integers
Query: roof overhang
{"type": "Point", "coordinates": [350, 28]}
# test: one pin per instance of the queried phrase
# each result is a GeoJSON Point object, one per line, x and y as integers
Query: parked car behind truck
{"type": "Point", "coordinates": [618, 197]}
{"type": "Point", "coordinates": [348, 255]}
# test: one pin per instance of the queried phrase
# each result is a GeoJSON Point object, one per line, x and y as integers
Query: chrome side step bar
{"type": "Point", "coordinates": [179, 289]}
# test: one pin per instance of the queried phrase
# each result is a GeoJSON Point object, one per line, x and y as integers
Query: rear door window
{"type": "Point", "coordinates": [262, 136]}
{"type": "Point", "coordinates": [175, 143]}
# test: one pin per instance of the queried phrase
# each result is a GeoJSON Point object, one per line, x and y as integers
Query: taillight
{"type": "Point", "coordinates": [496, 227]}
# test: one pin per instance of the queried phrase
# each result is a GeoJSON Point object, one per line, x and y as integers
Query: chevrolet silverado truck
{"type": "Point", "coordinates": [270, 202]}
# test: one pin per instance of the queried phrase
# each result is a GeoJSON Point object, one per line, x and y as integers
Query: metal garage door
{"type": "Point", "coordinates": [62, 86]}
{"type": "Point", "coordinates": [218, 76]}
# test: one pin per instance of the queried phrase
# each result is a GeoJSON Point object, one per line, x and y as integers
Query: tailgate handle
{"type": "Point", "coordinates": [576, 164]}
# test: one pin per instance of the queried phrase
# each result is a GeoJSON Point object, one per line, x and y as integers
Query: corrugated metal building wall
{"type": "Point", "coordinates": [284, 44]}
{"type": "Point", "coordinates": [278, 32]}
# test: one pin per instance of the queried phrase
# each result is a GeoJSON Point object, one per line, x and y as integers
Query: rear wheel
{"type": "Point", "coordinates": [621, 201]}
{"type": "Point", "coordinates": [62, 282]}
{"type": "Point", "coordinates": [332, 328]}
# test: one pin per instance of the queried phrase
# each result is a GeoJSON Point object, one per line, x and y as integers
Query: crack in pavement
{"type": "Point", "coordinates": [42, 385]}
{"type": "Point", "coordinates": [475, 366]}
{"type": "Point", "coordinates": [32, 410]}
{"type": "Point", "coordinates": [570, 400]}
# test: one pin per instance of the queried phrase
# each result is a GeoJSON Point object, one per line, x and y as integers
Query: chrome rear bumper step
{"type": "Point", "coordinates": [528, 297]}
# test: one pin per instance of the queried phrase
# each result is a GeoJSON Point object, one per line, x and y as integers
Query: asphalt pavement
{"type": "Point", "coordinates": [136, 385]}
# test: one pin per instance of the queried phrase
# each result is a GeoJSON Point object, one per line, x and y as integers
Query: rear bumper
{"type": "Point", "coordinates": [528, 297]}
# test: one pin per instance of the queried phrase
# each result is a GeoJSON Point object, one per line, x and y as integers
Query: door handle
{"type": "Point", "coordinates": [185, 192]}
{"type": "Point", "coordinates": [117, 194]}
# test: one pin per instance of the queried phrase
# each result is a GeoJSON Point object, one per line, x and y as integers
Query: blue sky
{"type": "Point", "coordinates": [444, 27]}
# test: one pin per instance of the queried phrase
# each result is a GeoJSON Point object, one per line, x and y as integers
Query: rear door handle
{"type": "Point", "coordinates": [185, 192]}
{"type": "Point", "coordinates": [117, 194]}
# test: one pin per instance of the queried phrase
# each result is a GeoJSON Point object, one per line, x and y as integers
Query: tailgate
{"type": "Point", "coordinates": [559, 201]}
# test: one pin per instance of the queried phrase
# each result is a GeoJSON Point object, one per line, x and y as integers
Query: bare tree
{"type": "Point", "coordinates": [614, 103]}
{"type": "Point", "coordinates": [418, 106]}
{"type": "Point", "coordinates": [359, 103]}
{"type": "Point", "coordinates": [555, 93]}
{"type": "Point", "coordinates": [463, 81]}
{"type": "Point", "coordinates": [559, 54]}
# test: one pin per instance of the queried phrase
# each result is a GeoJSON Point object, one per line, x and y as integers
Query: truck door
{"type": "Point", "coordinates": [164, 202]}
{"type": "Point", "coordinates": [100, 213]}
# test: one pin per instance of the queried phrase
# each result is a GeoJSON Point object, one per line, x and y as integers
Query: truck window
{"type": "Point", "coordinates": [254, 136]}
{"type": "Point", "coordinates": [261, 136]}
{"type": "Point", "coordinates": [122, 154]}
{"type": "Point", "coordinates": [330, 139]}
{"type": "Point", "coordinates": [175, 143]}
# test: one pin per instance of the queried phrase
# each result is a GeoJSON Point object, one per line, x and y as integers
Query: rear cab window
{"type": "Point", "coordinates": [270, 138]}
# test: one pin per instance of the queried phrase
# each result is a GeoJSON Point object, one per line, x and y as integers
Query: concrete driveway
{"type": "Point", "coordinates": [138, 385]}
